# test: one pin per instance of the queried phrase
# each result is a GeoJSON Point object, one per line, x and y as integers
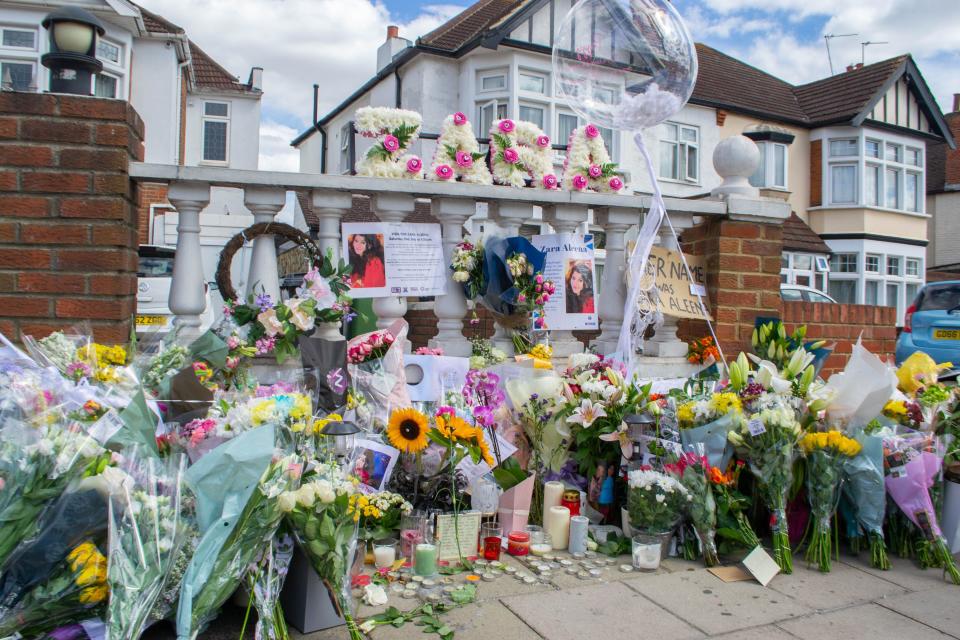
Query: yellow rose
{"type": "Point", "coordinates": [94, 595]}
{"type": "Point", "coordinates": [822, 440]}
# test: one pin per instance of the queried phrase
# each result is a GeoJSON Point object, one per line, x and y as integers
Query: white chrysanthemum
{"type": "Point", "coordinates": [583, 151]}
{"type": "Point", "coordinates": [537, 161]}
{"type": "Point", "coordinates": [377, 122]}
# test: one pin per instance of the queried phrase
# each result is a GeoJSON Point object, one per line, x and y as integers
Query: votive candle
{"type": "Point", "coordinates": [552, 495]}
{"type": "Point", "coordinates": [556, 522]}
{"type": "Point", "coordinates": [578, 534]}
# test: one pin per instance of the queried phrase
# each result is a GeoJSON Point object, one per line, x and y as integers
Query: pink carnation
{"type": "Point", "coordinates": [595, 171]}
{"type": "Point", "coordinates": [444, 171]}
{"type": "Point", "coordinates": [464, 159]}
{"type": "Point", "coordinates": [414, 165]}
{"type": "Point", "coordinates": [591, 131]}
{"type": "Point", "coordinates": [616, 183]}
{"type": "Point", "coordinates": [459, 118]}
{"type": "Point", "coordinates": [543, 141]}
{"type": "Point", "coordinates": [579, 182]}
{"type": "Point", "coordinates": [550, 181]}
{"type": "Point", "coordinates": [390, 143]}
{"type": "Point", "coordinates": [510, 156]}
{"type": "Point", "coordinates": [506, 126]}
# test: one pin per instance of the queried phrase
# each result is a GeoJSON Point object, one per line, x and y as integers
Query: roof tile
{"type": "Point", "coordinates": [798, 236]}
{"type": "Point", "coordinates": [210, 75]}
{"type": "Point", "coordinates": [845, 95]}
{"type": "Point", "coordinates": [469, 23]}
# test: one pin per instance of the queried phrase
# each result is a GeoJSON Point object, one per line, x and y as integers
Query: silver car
{"type": "Point", "coordinates": [154, 275]}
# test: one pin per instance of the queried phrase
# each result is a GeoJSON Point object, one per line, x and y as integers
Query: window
{"type": "Point", "coordinates": [871, 148]}
{"type": "Point", "coordinates": [893, 294]}
{"type": "Point", "coordinates": [914, 157]}
{"type": "Point", "coordinates": [772, 171]}
{"type": "Point", "coordinates": [533, 83]}
{"type": "Point", "coordinates": [566, 123]}
{"type": "Point", "coordinates": [894, 152]}
{"type": "Point", "coordinates": [346, 136]}
{"type": "Point", "coordinates": [911, 292]}
{"type": "Point", "coordinates": [822, 263]}
{"type": "Point", "coordinates": [16, 76]}
{"type": "Point", "coordinates": [939, 297]}
{"type": "Point", "coordinates": [487, 113]}
{"type": "Point", "coordinates": [893, 265]}
{"type": "Point", "coordinates": [843, 148]}
{"type": "Point", "coordinates": [911, 191]}
{"type": "Point", "coordinates": [871, 185]}
{"type": "Point", "coordinates": [108, 51]}
{"type": "Point", "coordinates": [605, 95]}
{"type": "Point", "coordinates": [871, 292]}
{"type": "Point", "coordinates": [843, 263]}
{"type": "Point", "coordinates": [813, 296]}
{"type": "Point", "coordinates": [913, 267]}
{"type": "Point", "coordinates": [106, 86]}
{"type": "Point", "coordinates": [679, 152]}
{"type": "Point", "coordinates": [843, 291]}
{"type": "Point", "coordinates": [803, 261]}
{"type": "Point", "coordinates": [19, 38]}
{"type": "Point", "coordinates": [843, 183]}
{"type": "Point", "coordinates": [532, 114]}
{"type": "Point", "coordinates": [892, 184]}
{"type": "Point", "coordinates": [872, 263]}
{"type": "Point", "coordinates": [492, 81]}
{"type": "Point", "coordinates": [216, 126]}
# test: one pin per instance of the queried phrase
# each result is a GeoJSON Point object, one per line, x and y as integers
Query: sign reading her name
{"type": "Point", "coordinates": [678, 293]}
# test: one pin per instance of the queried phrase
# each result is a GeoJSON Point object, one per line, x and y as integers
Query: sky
{"type": "Point", "coordinates": [333, 43]}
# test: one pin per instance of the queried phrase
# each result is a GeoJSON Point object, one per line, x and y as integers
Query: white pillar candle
{"type": "Point", "coordinates": [556, 522]}
{"type": "Point", "coordinates": [384, 556]}
{"type": "Point", "coordinates": [578, 534]}
{"type": "Point", "coordinates": [552, 494]}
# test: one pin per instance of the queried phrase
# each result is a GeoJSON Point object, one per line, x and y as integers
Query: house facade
{"type": "Point", "coordinates": [847, 152]}
{"type": "Point", "coordinates": [943, 203]}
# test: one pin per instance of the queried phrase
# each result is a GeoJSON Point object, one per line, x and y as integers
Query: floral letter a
{"type": "Point", "coordinates": [520, 150]}
{"type": "Point", "coordinates": [588, 164]}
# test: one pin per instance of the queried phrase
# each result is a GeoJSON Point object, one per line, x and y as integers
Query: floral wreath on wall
{"type": "Point", "coordinates": [520, 150]}
{"type": "Point", "coordinates": [458, 154]}
{"type": "Point", "coordinates": [396, 130]}
{"type": "Point", "coordinates": [588, 164]}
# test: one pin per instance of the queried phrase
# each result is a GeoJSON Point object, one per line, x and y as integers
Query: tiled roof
{"type": "Point", "coordinates": [158, 24]}
{"type": "Point", "coordinates": [309, 215]}
{"type": "Point", "coordinates": [210, 75]}
{"type": "Point", "coordinates": [469, 23]}
{"type": "Point", "coordinates": [798, 236]}
{"type": "Point", "coordinates": [843, 96]}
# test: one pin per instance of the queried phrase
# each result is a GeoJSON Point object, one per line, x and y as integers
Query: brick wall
{"type": "Point", "coordinates": [149, 193]}
{"type": "Point", "coordinates": [68, 225]}
{"type": "Point", "coordinates": [952, 160]}
{"type": "Point", "coordinates": [816, 173]}
{"type": "Point", "coordinates": [843, 324]}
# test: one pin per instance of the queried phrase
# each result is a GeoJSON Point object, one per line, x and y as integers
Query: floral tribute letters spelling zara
{"type": "Point", "coordinates": [395, 130]}
{"type": "Point", "coordinates": [588, 165]}
{"type": "Point", "coordinates": [458, 154]}
{"type": "Point", "coordinates": [520, 150]}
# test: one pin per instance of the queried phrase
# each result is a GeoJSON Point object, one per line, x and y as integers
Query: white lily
{"type": "Point", "coordinates": [621, 435]}
{"type": "Point", "coordinates": [768, 376]}
{"type": "Point", "coordinates": [587, 413]}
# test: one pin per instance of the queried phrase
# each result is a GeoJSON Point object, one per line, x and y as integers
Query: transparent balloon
{"type": "Point", "coordinates": [624, 64]}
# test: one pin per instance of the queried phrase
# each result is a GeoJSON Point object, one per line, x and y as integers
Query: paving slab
{"type": "Point", "coordinates": [766, 632]}
{"type": "Point", "coordinates": [842, 586]}
{"type": "Point", "coordinates": [598, 611]}
{"type": "Point", "coordinates": [864, 621]}
{"type": "Point", "coordinates": [937, 608]}
{"type": "Point", "coordinates": [718, 607]}
{"type": "Point", "coordinates": [478, 621]}
{"type": "Point", "coordinates": [903, 572]}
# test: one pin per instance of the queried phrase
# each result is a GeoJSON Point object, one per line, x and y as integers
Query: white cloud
{"type": "Point", "coordinates": [298, 43]}
{"type": "Point", "coordinates": [276, 154]}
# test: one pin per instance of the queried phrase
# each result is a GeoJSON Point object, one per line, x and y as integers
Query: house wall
{"type": "Point", "coordinates": [943, 229]}
{"type": "Point", "coordinates": [311, 152]}
{"type": "Point", "coordinates": [243, 148]}
{"type": "Point", "coordinates": [829, 220]}
{"type": "Point", "coordinates": [156, 94]}
{"type": "Point", "coordinates": [899, 106]}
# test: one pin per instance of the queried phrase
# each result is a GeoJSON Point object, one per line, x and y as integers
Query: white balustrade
{"type": "Point", "coordinates": [392, 207]}
{"type": "Point", "coordinates": [565, 218]}
{"type": "Point", "coordinates": [451, 307]}
{"type": "Point", "coordinates": [264, 277]}
{"type": "Point", "coordinates": [330, 207]}
{"type": "Point", "coordinates": [187, 294]}
{"type": "Point", "coordinates": [613, 292]}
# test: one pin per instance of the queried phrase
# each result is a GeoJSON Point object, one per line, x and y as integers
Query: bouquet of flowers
{"type": "Point", "coordinates": [656, 501]}
{"type": "Point", "coordinates": [320, 516]}
{"type": "Point", "coordinates": [375, 365]}
{"type": "Point", "coordinates": [705, 422]}
{"type": "Point", "coordinates": [483, 354]}
{"type": "Point", "coordinates": [732, 522]}
{"type": "Point", "coordinates": [378, 515]}
{"type": "Point", "coordinates": [514, 288]}
{"type": "Point", "coordinates": [767, 442]}
{"type": "Point", "coordinates": [826, 453]}
{"type": "Point", "coordinates": [76, 588]}
{"type": "Point", "coordinates": [702, 351]}
{"type": "Point", "coordinates": [694, 472]}
{"type": "Point", "coordinates": [145, 538]}
{"type": "Point", "coordinates": [467, 266]}
{"type": "Point", "coordinates": [864, 485]}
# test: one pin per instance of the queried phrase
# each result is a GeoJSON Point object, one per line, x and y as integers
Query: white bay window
{"type": "Point", "coordinates": [873, 172]}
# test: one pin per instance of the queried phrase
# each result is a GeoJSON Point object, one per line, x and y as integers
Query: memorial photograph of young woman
{"type": "Point", "coordinates": [579, 287]}
{"type": "Point", "coordinates": [366, 260]}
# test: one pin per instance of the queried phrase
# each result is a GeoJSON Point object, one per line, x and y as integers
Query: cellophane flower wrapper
{"type": "Point", "coordinates": [824, 478]}
{"type": "Point", "coordinates": [237, 487]}
{"type": "Point", "coordinates": [382, 381]}
{"type": "Point", "coordinates": [702, 507]}
{"type": "Point", "coordinates": [713, 438]}
{"type": "Point", "coordinates": [864, 486]}
{"type": "Point", "coordinates": [266, 577]}
{"type": "Point", "coordinates": [74, 589]}
{"type": "Point", "coordinates": [656, 501]}
{"type": "Point", "coordinates": [500, 295]}
{"type": "Point", "coordinates": [37, 465]}
{"type": "Point", "coordinates": [146, 535]}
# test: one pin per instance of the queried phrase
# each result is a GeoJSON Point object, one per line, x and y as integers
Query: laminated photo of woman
{"type": "Point", "coordinates": [579, 293]}
{"type": "Point", "coordinates": [366, 259]}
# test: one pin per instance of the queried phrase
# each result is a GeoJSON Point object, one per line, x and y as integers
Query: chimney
{"type": "Point", "coordinates": [956, 102]}
{"type": "Point", "coordinates": [256, 79]}
{"type": "Point", "coordinates": [849, 68]}
{"type": "Point", "coordinates": [393, 45]}
{"type": "Point", "coordinates": [859, 65]}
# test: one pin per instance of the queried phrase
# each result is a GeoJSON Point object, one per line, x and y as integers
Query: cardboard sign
{"type": "Point", "coordinates": [678, 295]}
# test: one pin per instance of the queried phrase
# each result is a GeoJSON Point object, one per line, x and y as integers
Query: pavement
{"type": "Point", "coordinates": [679, 601]}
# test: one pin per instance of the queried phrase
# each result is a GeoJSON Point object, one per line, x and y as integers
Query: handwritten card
{"type": "Point", "coordinates": [467, 529]}
{"type": "Point", "coordinates": [759, 563]}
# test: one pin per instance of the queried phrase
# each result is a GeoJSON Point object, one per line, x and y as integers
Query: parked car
{"type": "Point", "coordinates": [154, 274]}
{"type": "Point", "coordinates": [799, 292]}
{"type": "Point", "coordinates": [932, 324]}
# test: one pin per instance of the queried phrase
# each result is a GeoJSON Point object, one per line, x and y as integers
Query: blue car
{"type": "Point", "coordinates": [932, 324]}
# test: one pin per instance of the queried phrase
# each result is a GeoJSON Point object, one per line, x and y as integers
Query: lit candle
{"type": "Point", "coordinates": [552, 495]}
{"type": "Point", "coordinates": [540, 548]}
{"type": "Point", "coordinates": [556, 522]}
{"type": "Point", "coordinates": [425, 562]}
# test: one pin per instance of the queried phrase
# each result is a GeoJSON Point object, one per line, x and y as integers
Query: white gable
{"type": "Point", "coordinates": [899, 106]}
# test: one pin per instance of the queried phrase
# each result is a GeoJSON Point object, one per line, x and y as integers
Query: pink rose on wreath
{"type": "Point", "coordinates": [549, 181]}
{"type": "Point", "coordinates": [591, 131]}
{"type": "Point", "coordinates": [464, 159]}
{"type": "Point", "coordinates": [510, 156]}
{"type": "Point", "coordinates": [390, 143]}
{"type": "Point", "coordinates": [616, 183]}
{"type": "Point", "coordinates": [459, 118]}
{"type": "Point", "coordinates": [414, 165]}
{"type": "Point", "coordinates": [595, 171]}
{"type": "Point", "coordinates": [444, 172]}
{"type": "Point", "coordinates": [543, 141]}
{"type": "Point", "coordinates": [506, 126]}
{"type": "Point", "coordinates": [579, 182]}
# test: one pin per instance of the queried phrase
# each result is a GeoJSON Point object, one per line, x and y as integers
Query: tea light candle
{"type": "Point", "coordinates": [552, 495]}
{"type": "Point", "coordinates": [557, 524]}
{"type": "Point", "coordinates": [540, 548]}
{"type": "Point", "coordinates": [425, 562]}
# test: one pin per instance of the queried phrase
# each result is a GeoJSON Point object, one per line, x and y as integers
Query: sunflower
{"type": "Point", "coordinates": [407, 430]}
{"type": "Point", "coordinates": [445, 427]}
{"type": "Point", "coordinates": [462, 430]}
{"type": "Point", "coordinates": [485, 451]}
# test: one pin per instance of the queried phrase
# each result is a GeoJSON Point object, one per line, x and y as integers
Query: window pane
{"type": "Point", "coordinates": [669, 132]}
{"type": "Point", "coordinates": [779, 165]}
{"type": "Point", "coordinates": [606, 96]}
{"type": "Point", "coordinates": [107, 51]}
{"type": "Point", "coordinates": [607, 135]}
{"type": "Point", "coordinates": [501, 110]}
{"type": "Point", "coordinates": [490, 83]}
{"type": "Point", "coordinates": [565, 126]}
{"type": "Point", "coordinates": [219, 109]}
{"type": "Point", "coordinates": [668, 160]}
{"type": "Point", "coordinates": [913, 267]}
{"type": "Point", "coordinates": [844, 184]}
{"type": "Point", "coordinates": [758, 178]}
{"type": "Point", "coordinates": [803, 261]}
{"type": "Point", "coordinates": [894, 152]}
{"type": "Point", "coordinates": [871, 185]}
{"type": "Point", "coordinates": [215, 140]}
{"type": "Point", "coordinates": [106, 86]}
{"type": "Point", "coordinates": [843, 147]}
{"type": "Point", "coordinates": [532, 114]}
{"type": "Point", "coordinates": [844, 291]}
{"type": "Point", "coordinates": [872, 264]}
{"type": "Point", "coordinates": [893, 265]}
{"type": "Point", "coordinates": [892, 185]}
{"type": "Point", "coordinates": [784, 260]}
{"type": "Point", "coordinates": [912, 292]}
{"type": "Point", "coordinates": [940, 297]}
{"type": "Point", "coordinates": [693, 166]}
{"type": "Point", "coordinates": [914, 157]}
{"type": "Point", "coordinates": [688, 135]}
{"type": "Point", "coordinates": [485, 120]}
{"type": "Point", "coordinates": [21, 39]}
{"type": "Point", "coordinates": [871, 148]}
{"type": "Point", "coordinates": [871, 292]}
{"type": "Point", "coordinates": [843, 263]}
{"type": "Point", "coordinates": [16, 76]}
{"type": "Point", "coordinates": [790, 294]}
{"type": "Point", "coordinates": [893, 295]}
{"type": "Point", "coordinates": [911, 189]}
{"type": "Point", "coordinates": [534, 84]}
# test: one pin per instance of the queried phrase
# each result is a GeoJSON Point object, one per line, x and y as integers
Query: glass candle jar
{"type": "Point", "coordinates": [536, 533]}
{"type": "Point", "coordinates": [384, 553]}
{"type": "Point", "coordinates": [413, 531]}
{"type": "Point", "coordinates": [542, 546]}
{"type": "Point", "coordinates": [490, 542]}
{"type": "Point", "coordinates": [646, 552]}
{"type": "Point", "coordinates": [518, 543]}
{"type": "Point", "coordinates": [571, 500]}
{"type": "Point", "coordinates": [425, 560]}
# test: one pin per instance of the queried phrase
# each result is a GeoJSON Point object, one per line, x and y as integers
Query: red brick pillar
{"type": "Point", "coordinates": [68, 225]}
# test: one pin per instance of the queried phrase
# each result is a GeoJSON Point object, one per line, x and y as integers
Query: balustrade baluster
{"type": "Point", "coordinates": [187, 294]}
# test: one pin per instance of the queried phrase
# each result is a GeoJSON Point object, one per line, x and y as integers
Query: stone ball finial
{"type": "Point", "coordinates": [735, 159]}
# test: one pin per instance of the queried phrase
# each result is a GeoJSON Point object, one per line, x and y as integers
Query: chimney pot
{"type": "Point", "coordinates": [859, 65]}
{"type": "Point", "coordinates": [849, 68]}
{"type": "Point", "coordinates": [393, 31]}
{"type": "Point", "coordinates": [956, 102]}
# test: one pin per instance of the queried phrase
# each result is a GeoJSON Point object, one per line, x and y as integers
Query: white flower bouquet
{"type": "Point", "coordinates": [656, 501]}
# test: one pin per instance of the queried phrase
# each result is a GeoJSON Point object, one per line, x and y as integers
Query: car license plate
{"type": "Point", "coordinates": [946, 334]}
{"type": "Point", "coordinates": [151, 321]}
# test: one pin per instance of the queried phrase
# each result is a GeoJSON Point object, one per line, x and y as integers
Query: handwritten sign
{"type": "Point", "coordinates": [467, 530]}
{"type": "Point", "coordinates": [678, 294]}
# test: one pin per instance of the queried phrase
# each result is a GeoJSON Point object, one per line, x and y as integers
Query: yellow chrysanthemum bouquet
{"type": "Point", "coordinates": [826, 453]}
